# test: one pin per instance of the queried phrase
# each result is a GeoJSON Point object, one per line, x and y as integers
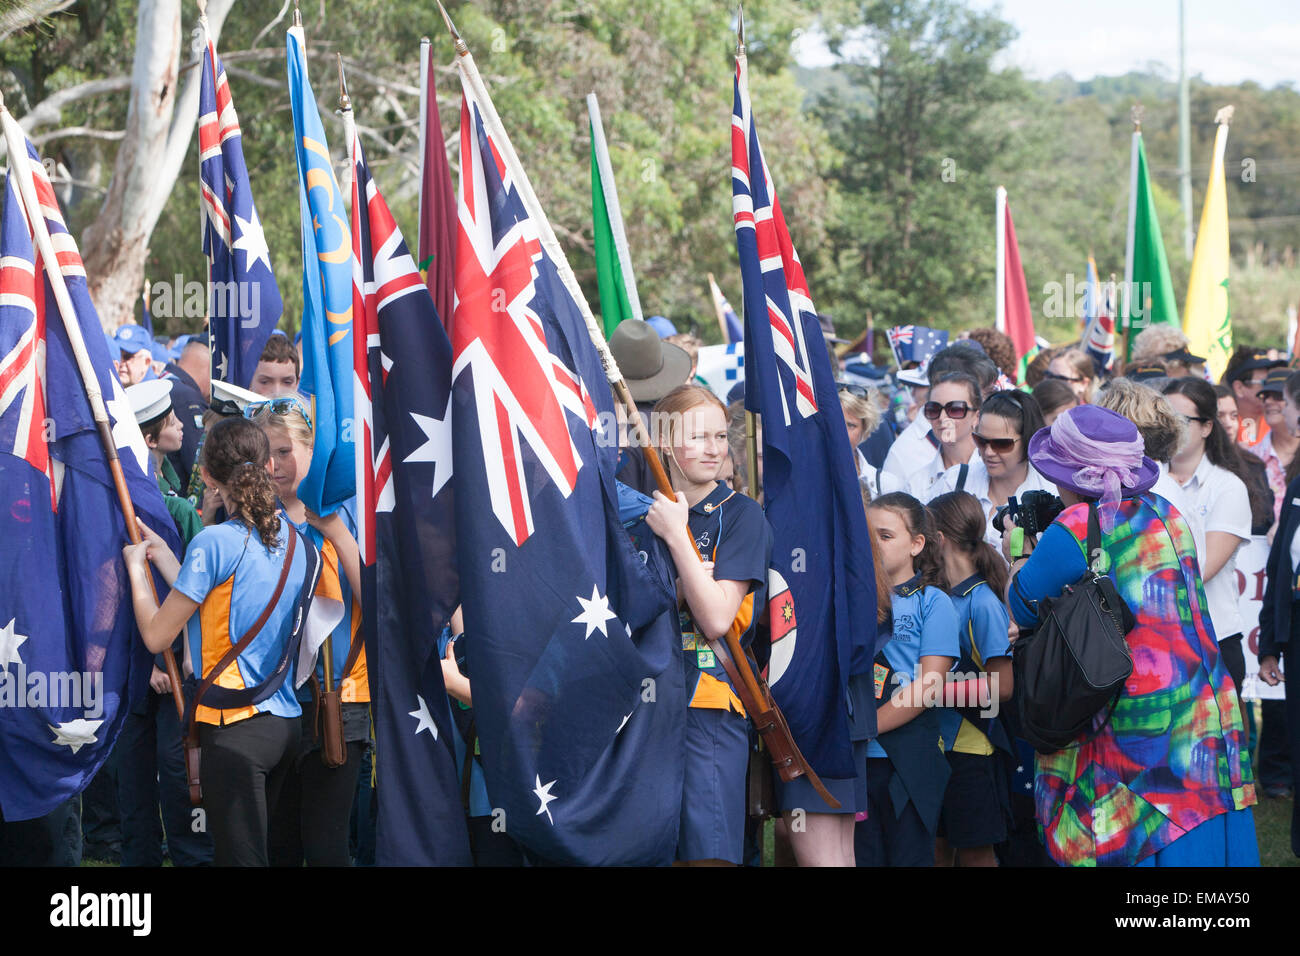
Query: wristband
{"type": "Point", "coordinates": [1018, 544]}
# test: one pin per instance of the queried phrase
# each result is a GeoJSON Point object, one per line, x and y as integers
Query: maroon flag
{"type": "Point", "coordinates": [437, 252]}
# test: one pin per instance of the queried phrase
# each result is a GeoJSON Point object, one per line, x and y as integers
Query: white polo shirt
{"type": "Point", "coordinates": [977, 484]}
{"type": "Point", "coordinates": [921, 481]}
{"type": "Point", "coordinates": [911, 449]}
{"type": "Point", "coordinates": [876, 480]}
{"type": "Point", "coordinates": [1218, 501]}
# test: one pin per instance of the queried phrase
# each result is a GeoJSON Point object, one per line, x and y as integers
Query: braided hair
{"type": "Point", "coordinates": [235, 453]}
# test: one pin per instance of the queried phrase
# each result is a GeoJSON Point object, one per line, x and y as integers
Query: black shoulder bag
{"type": "Point", "coordinates": [1075, 662]}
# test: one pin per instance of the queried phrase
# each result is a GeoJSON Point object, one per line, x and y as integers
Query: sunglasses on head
{"type": "Point", "coordinates": [859, 390]}
{"type": "Point", "coordinates": [1062, 378]}
{"type": "Point", "coordinates": [282, 405]}
{"type": "Point", "coordinates": [999, 445]}
{"type": "Point", "coordinates": [955, 410]}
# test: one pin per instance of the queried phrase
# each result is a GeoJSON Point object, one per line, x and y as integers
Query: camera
{"type": "Point", "coordinates": [1034, 512]}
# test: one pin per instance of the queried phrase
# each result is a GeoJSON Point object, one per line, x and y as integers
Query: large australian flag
{"type": "Point", "coordinates": [406, 532]}
{"type": "Point", "coordinates": [244, 302]}
{"type": "Point", "coordinates": [71, 660]}
{"type": "Point", "coordinates": [822, 593]}
{"type": "Point", "coordinates": [573, 657]}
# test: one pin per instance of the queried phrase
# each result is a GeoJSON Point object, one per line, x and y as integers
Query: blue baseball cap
{"type": "Point", "coordinates": [133, 338]}
{"type": "Point", "coordinates": [160, 353]}
{"type": "Point", "coordinates": [662, 326]}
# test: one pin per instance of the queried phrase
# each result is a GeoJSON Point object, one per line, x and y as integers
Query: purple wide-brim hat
{"type": "Point", "coordinates": [1058, 461]}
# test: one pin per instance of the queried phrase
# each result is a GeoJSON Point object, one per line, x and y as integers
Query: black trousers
{"type": "Point", "coordinates": [886, 837]}
{"type": "Point", "coordinates": [101, 822]}
{"type": "Point", "coordinates": [1274, 745]}
{"type": "Point", "coordinates": [311, 821]}
{"type": "Point", "coordinates": [51, 840]}
{"type": "Point", "coordinates": [151, 773]}
{"type": "Point", "coordinates": [242, 769]}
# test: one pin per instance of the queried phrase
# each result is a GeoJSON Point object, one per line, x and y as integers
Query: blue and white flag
{"type": "Point", "coordinates": [327, 298]}
{"type": "Point", "coordinates": [71, 659]}
{"type": "Point", "coordinates": [722, 367]}
{"type": "Point", "coordinates": [244, 303]}
{"type": "Point", "coordinates": [573, 643]}
{"type": "Point", "coordinates": [822, 575]}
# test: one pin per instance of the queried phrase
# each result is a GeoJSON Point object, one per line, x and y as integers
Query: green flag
{"type": "Point", "coordinates": [614, 279]}
{"type": "Point", "coordinates": [1149, 291]}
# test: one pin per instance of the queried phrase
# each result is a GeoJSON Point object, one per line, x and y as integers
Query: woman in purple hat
{"type": "Point", "coordinates": [1167, 780]}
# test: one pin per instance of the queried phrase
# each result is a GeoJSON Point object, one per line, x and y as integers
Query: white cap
{"type": "Point", "coordinates": [150, 400]}
{"type": "Point", "coordinates": [916, 376]}
{"type": "Point", "coordinates": [228, 399]}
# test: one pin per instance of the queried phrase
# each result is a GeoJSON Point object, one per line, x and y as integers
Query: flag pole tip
{"type": "Point", "coordinates": [297, 14]}
{"type": "Point", "coordinates": [345, 101]}
{"type": "Point", "coordinates": [740, 29]}
{"type": "Point", "coordinates": [1224, 116]}
{"type": "Point", "coordinates": [455, 34]}
{"type": "Point", "coordinates": [203, 8]}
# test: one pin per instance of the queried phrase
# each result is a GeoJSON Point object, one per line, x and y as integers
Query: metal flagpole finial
{"type": "Point", "coordinates": [297, 14]}
{"type": "Point", "coordinates": [461, 48]}
{"type": "Point", "coordinates": [203, 9]}
{"type": "Point", "coordinates": [1135, 114]}
{"type": "Point", "coordinates": [345, 101]}
{"type": "Point", "coordinates": [740, 30]}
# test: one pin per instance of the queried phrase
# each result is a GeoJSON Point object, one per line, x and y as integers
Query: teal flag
{"type": "Point", "coordinates": [327, 298]}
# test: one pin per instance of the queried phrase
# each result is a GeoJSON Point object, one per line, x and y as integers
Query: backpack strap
{"type": "Point", "coordinates": [1094, 538]}
{"type": "Point", "coordinates": [962, 472]}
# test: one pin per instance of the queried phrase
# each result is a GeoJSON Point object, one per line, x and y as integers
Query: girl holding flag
{"type": "Point", "coordinates": [720, 544]}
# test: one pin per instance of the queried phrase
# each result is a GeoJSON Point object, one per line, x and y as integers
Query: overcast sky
{"type": "Point", "coordinates": [1226, 42]}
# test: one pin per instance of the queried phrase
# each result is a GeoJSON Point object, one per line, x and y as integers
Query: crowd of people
{"type": "Point", "coordinates": [979, 496]}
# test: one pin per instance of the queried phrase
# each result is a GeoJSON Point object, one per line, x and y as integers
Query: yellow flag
{"type": "Point", "coordinates": [1206, 317]}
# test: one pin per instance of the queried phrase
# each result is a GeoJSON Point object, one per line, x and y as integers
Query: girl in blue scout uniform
{"type": "Point", "coordinates": [905, 767]}
{"type": "Point", "coordinates": [311, 822]}
{"type": "Point", "coordinates": [977, 802]}
{"type": "Point", "coordinates": [227, 581]}
{"type": "Point", "coordinates": [720, 544]}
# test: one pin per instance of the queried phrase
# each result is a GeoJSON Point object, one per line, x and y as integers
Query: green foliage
{"type": "Point", "coordinates": [886, 164]}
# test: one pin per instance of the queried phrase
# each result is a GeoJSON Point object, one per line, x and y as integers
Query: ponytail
{"type": "Point", "coordinates": [235, 453]}
{"type": "Point", "coordinates": [961, 519]}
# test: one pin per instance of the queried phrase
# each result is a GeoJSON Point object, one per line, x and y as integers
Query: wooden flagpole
{"type": "Point", "coordinates": [20, 169]}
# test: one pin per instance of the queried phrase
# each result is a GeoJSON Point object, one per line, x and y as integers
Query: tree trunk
{"type": "Point", "coordinates": [159, 124]}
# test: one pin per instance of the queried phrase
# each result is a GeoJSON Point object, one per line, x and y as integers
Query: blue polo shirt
{"type": "Point", "coordinates": [925, 625]}
{"type": "Point", "coordinates": [232, 576]}
{"type": "Point", "coordinates": [731, 531]}
{"type": "Point", "coordinates": [982, 622]}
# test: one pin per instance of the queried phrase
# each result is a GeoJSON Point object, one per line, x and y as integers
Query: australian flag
{"type": "Point", "coordinates": [327, 279]}
{"type": "Point", "coordinates": [244, 303]}
{"type": "Point", "coordinates": [916, 343]}
{"type": "Point", "coordinates": [822, 575]}
{"type": "Point", "coordinates": [572, 653]}
{"type": "Point", "coordinates": [406, 531]}
{"type": "Point", "coordinates": [71, 659]}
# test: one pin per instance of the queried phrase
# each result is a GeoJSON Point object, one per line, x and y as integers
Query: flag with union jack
{"type": "Point", "coordinates": [1099, 313]}
{"type": "Point", "coordinates": [244, 303]}
{"type": "Point", "coordinates": [71, 660]}
{"type": "Point", "coordinates": [822, 549]}
{"type": "Point", "coordinates": [406, 533]}
{"type": "Point", "coordinates": [573, 642]}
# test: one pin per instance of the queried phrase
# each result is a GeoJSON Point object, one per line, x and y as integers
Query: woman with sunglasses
{"type": "Point", "coordinates": [1074, 367]}
{"type": "Point", "coordinates": [311, 821]}
{"type": "Point", "coordinates": [1277, 449]}
{"type": "Point", "coordinates": [1001, 470]}
{"type": "Point", "coordinates": [861, 416]}
{"type": "Point", "coordinates": [1213, 478]}
{"type": "Point", "coordinates": [954, 400]}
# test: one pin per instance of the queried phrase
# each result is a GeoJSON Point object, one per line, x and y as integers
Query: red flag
{"type": "Point", "coordinates": [1019, 318]}
{"type": "Point", "coordinates": [437, 247]}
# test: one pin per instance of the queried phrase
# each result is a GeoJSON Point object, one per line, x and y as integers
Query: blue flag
{"type": "Point", "coordinates": [71, 660]}
{"type": "Point", "coordinates": [573, 640]}
{"type": "Point", "coordinates": [822, 593]}
{"type": "Point", "coordinates": [406, 530]}
{"type": "Point", "coordinates": [244, 303]}
{"type": "Point", "coordinates": [327, 298]}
